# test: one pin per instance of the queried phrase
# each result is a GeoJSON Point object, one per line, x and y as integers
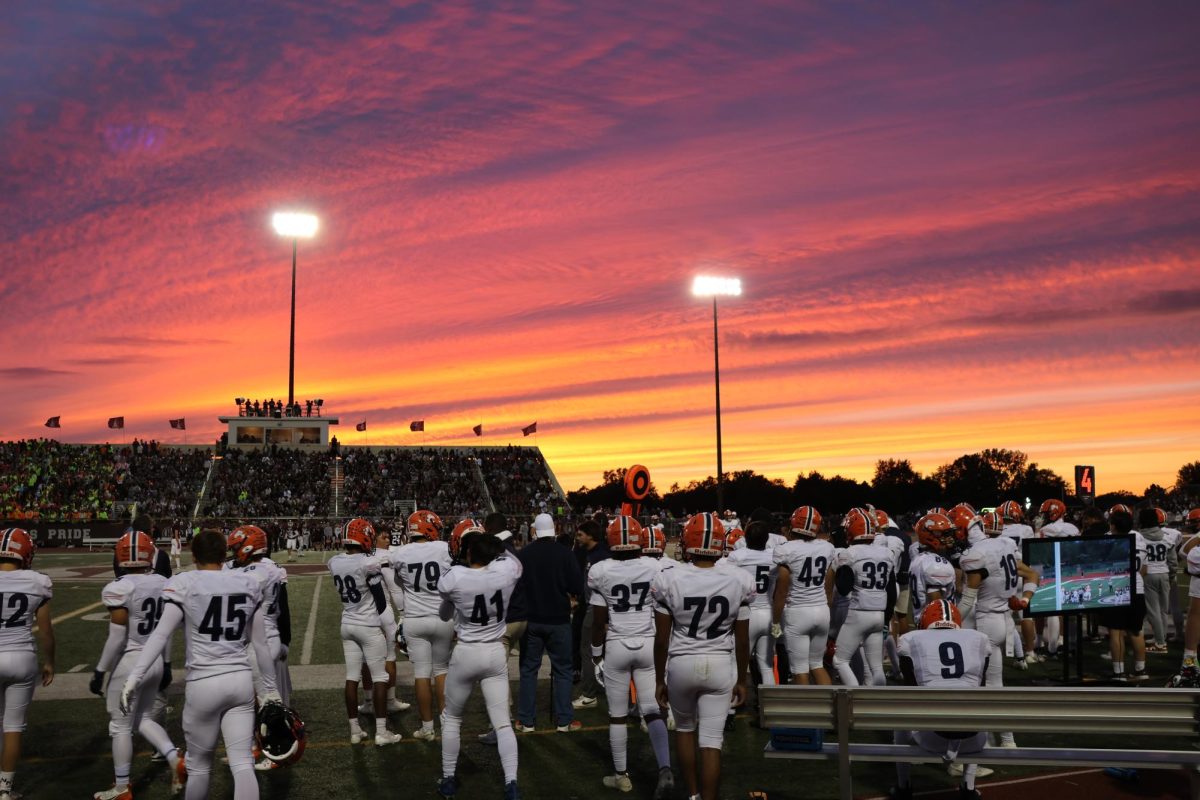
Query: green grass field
{"type": "Point", "coordinates": [1103, 590]}
{"type": "Point", "coordinates": [67, 745]}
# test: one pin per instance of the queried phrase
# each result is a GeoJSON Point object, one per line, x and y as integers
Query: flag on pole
{"type": "Point", "coordinates": [116, 423]}
{"type": "Point", "coordinates": [178, 424]}
{"type": "Point", "coordinates": [53, 423]}
{"type": "Point", "coordinates": [362, 426]}
{"type": "Point", "coordinates": [478, 429]}
{"type": "Point", "coordinates": [417, 425]}
{"type": "Point", "coordinates": [528, 429]}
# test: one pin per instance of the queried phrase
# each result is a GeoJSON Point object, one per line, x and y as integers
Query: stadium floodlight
{"type": "Point", "coordinates": [295, 226]}
{"type": "Point", "coordinates": [710, 286]}
{"type": "Point", "coordinates": [714, 287]}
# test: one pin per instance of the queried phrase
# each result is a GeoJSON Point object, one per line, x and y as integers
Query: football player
{"type": "Point", "coordinates": [866, 572]}
{"type": "Point", "coordinates": [931, 575]}
{"type": "Point", "coordinates": [418, 566]}
{"type": "Point", "coordinates": [759, 564]}
{"type": "Point", "coordinates": [249, 549]}
{"type": "Point", "coordinates": [28, 596]}
{"type": "Point", "coordinates": [219, 609]}
{"type": "Point", "coordinates": [800, 603]}
{"type": "Point", "coordinates": [475, 596]}
{"type": "Point", "coordinates": [944, 655]}
{"type": "Point", "coordinates": [134, 602]}
{"type": "Point", "coordinates": [1053, 526]}
{"type": "Point", "coordinates": [1189, 673]}
{"type": "Point", "coordinates": [391, 623]}
{"type": "Point", "coordinates": [177, 547]}
{"type": "Point", "coordinates": [359, 582]}
{"type": "Point", "coordinates": [702, 617]}
{"type": "Point", "coordinates": [623, 643]}
{"type": "Point", "coordinates": [1129, 622]}
{"type": "Point", "coordinates": [1161, 563]}
{"type": "Point", "coordinates": [996, 582]}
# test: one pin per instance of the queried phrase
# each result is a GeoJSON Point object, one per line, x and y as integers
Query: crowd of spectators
{"type": "Point", "coordinates": [163, 481]}
{"type": "Point", "coordinates": [278, 408]}
{"type": "Point", "coordinates": [444, 480]}
{"type": "Point", "coordinates": [270, 482]}
{"type": "Point", "coordinates": [519, 480]}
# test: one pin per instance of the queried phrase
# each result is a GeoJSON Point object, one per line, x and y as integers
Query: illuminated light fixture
{"type": "Point", "coordinates": [710, 286]}
{"type": "Point", "coordinates": [294, 225]}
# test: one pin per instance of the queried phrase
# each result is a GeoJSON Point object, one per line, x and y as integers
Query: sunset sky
{"type": "Point", "coordinates": [958, 226]}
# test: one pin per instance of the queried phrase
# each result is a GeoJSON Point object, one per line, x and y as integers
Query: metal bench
{"type": "Point", "coordinates": [1132, 713]}
{"type": "Point", "coordinates": [102, 542]}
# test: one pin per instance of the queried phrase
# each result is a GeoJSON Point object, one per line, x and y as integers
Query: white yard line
{"type": "Point", "coordinates": [310, 632]}
{"type": "Point", "coordinates": [75, 613]}
{"type": "Point", "coordinates": [78, 668]}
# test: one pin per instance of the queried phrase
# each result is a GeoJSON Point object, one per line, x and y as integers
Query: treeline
{"type": "Point", "coordinates": [982, 479]}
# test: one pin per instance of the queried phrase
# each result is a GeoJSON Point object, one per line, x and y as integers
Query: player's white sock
{"type": "Point", "coordinates": [1138, 666]}
{"type": "Point", "coordinates": [660, 741]}
{"type": "Point", "coordinates": [618, 740]}
{"type": "Point", "coordinates": [354, 726]}
{"type": "Point", "coordinates": [451, 742]}
{"type": "Point", "coordinates": [6, 780]}
{"type": "Point", "coordinates": [391, 693]}
{"type": "Point", "coordinates": [506, 744]}
{"type": "Point", "coordinates": [1118, 667]}
{"type": "Point", "coordinates": [969, 776]}
{"type": "Point", "coordinates": [427, 725]}
{"type": "Point", "coordinates": [122, 751]}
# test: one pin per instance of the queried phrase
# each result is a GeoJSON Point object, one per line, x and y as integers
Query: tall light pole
{"type": "Point", "coordinates": [708, 286]}
{"type": "Point", "coordinates": [295, 226]}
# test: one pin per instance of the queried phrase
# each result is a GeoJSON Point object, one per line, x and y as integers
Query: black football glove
{"type": "Point", "coordinates": [166, 678]}
{"type": "Point", "coordinates": [96, 684]}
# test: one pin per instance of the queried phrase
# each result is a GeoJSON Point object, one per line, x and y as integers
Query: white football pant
{"type": "Point", "coordinates": [18, 672]}
{"type": "Point", "coordinates": [865, 629]}
{"type": "Point", "coordinates": [485, 663]}
{"type": "Point", "coordinates": [364, 644]}
{"type": "Point", "coordinates": [222, 704]}
{"type": "Point", "coordinates": [429, 642]}
{"type": "Point", "coordinates": [805, 634]}
{"type": "Point", "coordinates": [700, 688]}
{"type": "Point", "coordinates": [762, 645]}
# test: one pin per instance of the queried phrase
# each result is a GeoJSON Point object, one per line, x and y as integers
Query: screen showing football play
{"type": "Point", "coordinates": [1080, 573]}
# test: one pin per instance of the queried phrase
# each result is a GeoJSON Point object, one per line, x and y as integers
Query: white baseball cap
{"type": "Point", "coordinates": [543, 526]}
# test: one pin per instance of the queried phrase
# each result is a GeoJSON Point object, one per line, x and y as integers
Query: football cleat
{"type": "Point", "coordinates": [521, 727]}
{"type": "Point", "coordinates": [619, 781]}
{"type": "Point", "coordinates": [396, 706]}
{"type": "Point", "coordinates": [666, 784]}
{"type": "Point", "coordinates": [179, 774]}
{"type": "Point", "coordinates": [358, 737]}
{"type": "Point", "coordinates": [570, 727]}
{"type": "Point", "coordinates": [625, 533]}
{"type": "Point", "coordinates": [425, 734]}
{"type": "Point", "coordinates": [386, 737]}
{"type": "Point", "coordinates": [448, 786]}
{"type": "Point", "coordinates": [114, 794]}
{"type": "Point", "coordinates": [511, 792]}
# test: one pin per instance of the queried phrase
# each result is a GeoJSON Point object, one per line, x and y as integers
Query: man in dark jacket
{"type": "Point", "coordinates": [551, 578]}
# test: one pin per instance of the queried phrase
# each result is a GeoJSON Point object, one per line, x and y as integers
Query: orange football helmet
{"type": "Point", "coordinates": [1053, 510]}
{"type": "Point", "coordinates": [425, 523]}
{"type": "Point", "coordinates": [624, 533]}
{"type": "Point", "coordinates": [859, 524]}
{"type": "Point", "coordinates": [1162, 516]}
{"type": "Point", "coordinates": [360, 532]}
{"type": "Point", "coordinates": [939, 510]}
{"type": "Point", "coordinates": [1011, 510]}
{"type": "Point", "coordinates": [1193, 518]}
{"type": "Point", "coordinates": [703, 535]}
{"type": "Point", "coordinates": [245, 542]}
{"type": "Point", "coordinates": [881, 519]}
{"type": "Point", "coordinates": [993, 523]}
{"type": "Point", "coordinates": [941, 614]}
{"type": "Point", "coordinates": [961, 517]}
{"type": "Point", "coordinates": [806, 521]}
{"type": "Point", "coordinates": [1119, 507]}
{"type": "Point", "coordinates": [462, 530]}
{"type": "Point", "coordinates": [656, 541]}
{"type": "Point", "coordinates": [135, 549]}
{"type": "Point", "coordinates": [17, 544]}
{"type": "Point", "coordinates": [936, 532]}
{"type": "Point", "coordinates": [733, 537]}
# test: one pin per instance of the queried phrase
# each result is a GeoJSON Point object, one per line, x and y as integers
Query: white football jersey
{"type": "Point", "coordinates": [1156, 552]}
{"type": "Point", "coordinates": [419, 567]}
{"type": "Point", "coordinates": [947, 657]}
{"type": "Point", "coordinates": [141, 594]}
{"type": "Point", "coordinates": [353, 575]}
{"type": "Point", "coordinates": [809, 561]}
{"type": "Point", "coordinates": [480, 597]}
{"type": "Point", "coordinates": [218, 606]}
{"type": "Point", "coordinates": [1018, 532]}
{"type": "Point", "coordinates": [624, 587]}
{"type": "Point", "coordinates": [760, 566]}
{"type": "Point", "coordinates": [270, 577]}
{"type": "Point", "coordinates": [999, 556]}
{"type": "Point", "coordinates": [704, 603]}
{"type": "Point", "coordinates": [22, 593]}
{"type": "Point", "coordinates": [773, 541]}
{"type": "Point", "coordinates": [1139, 543]}
{"type": "Point", "coordinates": [918, 580]}
{"type": "Point", "coordinates": [874, 566]}
{"type": "Point", "coordinates": [1057, 530]}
